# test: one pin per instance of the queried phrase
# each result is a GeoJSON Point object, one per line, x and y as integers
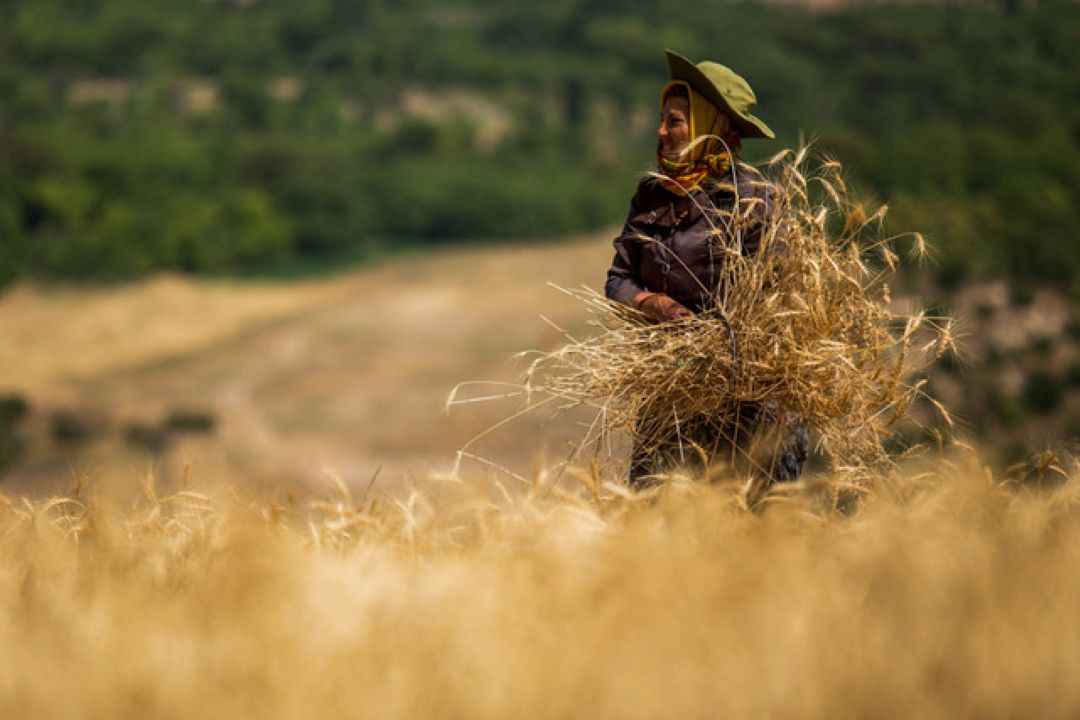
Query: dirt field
{"type": "Point", "coordinates": [333, 376]}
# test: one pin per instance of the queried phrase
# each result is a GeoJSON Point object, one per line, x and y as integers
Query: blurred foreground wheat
{"type": "Point", "coordinates": [948, 596]}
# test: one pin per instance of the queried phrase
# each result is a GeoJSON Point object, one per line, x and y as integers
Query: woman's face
{"type": "Point", "coordinates": [674, 130]}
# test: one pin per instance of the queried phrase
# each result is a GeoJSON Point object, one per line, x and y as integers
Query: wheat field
{"type": "Point", "coordinates": [270, 570]}
{"type": "Point", "coordinates": [947, 595]}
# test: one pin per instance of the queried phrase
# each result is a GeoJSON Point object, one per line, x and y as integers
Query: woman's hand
{"type": "Point", "coordinates": [661, 308]}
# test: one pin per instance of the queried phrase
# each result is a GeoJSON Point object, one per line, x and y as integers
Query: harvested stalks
{"type": "Point", "coordinates": [802, 328]}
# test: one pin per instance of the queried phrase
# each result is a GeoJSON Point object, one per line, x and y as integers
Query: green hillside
{"type": "Point", "coordinates": [253, 135]}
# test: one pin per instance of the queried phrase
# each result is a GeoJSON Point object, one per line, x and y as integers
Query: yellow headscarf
{"type": "Point", "coordinates": [707, 157]}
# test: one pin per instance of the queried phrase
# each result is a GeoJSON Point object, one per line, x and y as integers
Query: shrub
{"type": "Point", "coordinates": [1043, 392]}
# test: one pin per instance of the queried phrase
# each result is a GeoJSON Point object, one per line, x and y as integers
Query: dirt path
{"type": "Point", "coordinates": [337, 376]}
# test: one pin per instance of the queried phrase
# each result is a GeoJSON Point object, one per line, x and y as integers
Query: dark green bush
{"type": "Point", "coordinates": [190, 420]}
{"type": "Point", "coordinates": [1043, 391]}
{"type": "Point", "coordinates": [1008, 411]}
{"type": "Point", "coordinates": [1072, 374]}
{"type": "Point", "coordinates": [74, 427]}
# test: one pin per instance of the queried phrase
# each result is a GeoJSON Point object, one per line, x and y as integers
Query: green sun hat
{"type": "Point", "coordinates": [724, 88]}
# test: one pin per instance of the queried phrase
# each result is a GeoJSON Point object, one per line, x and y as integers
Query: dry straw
{"type": "Point", "coordinates": [955, 599]}
{"type": "Point", "coordinates": [802, 329]}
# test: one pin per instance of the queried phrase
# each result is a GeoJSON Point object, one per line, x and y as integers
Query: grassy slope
{"type": "Point", "coordinates": [330, 375]}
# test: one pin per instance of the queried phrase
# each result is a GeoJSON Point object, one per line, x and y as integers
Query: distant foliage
{"type": "Point", "coordinates": [233, 136]}
{"type": "Point", "coordinates": [13, 409]}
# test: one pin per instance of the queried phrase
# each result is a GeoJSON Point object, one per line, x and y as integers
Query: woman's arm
{"type": "Point", "coordinates": [624, 282]}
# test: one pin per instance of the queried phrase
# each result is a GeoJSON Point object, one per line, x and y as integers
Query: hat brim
{"type": "Point", "coordinates": [748, 125]}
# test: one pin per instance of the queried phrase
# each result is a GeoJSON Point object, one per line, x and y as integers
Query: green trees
{"type": "Point", "coordinates": [227, 136]}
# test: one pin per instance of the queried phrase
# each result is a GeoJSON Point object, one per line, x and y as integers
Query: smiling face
{"type": "Point", "coordinates": [674, 130]}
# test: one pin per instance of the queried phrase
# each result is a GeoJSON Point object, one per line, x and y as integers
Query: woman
{"type": "Point", "coordinates": [665, 264]}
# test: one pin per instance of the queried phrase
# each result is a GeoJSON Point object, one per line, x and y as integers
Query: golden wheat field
{"type": "Point", "coordinates": [312, 557]}
{"type": "Point", "coordinates": [947, 597]}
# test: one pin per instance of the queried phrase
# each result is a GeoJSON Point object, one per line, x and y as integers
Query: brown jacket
{"type": "Point", "coordinates": [668, 244]}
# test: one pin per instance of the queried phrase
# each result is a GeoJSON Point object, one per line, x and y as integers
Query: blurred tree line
{"type": "Point", "coordinates": [259, 135]}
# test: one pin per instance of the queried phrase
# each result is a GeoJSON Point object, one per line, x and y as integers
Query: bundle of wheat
{"type": "Point", "coordinates": [801, 327]}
